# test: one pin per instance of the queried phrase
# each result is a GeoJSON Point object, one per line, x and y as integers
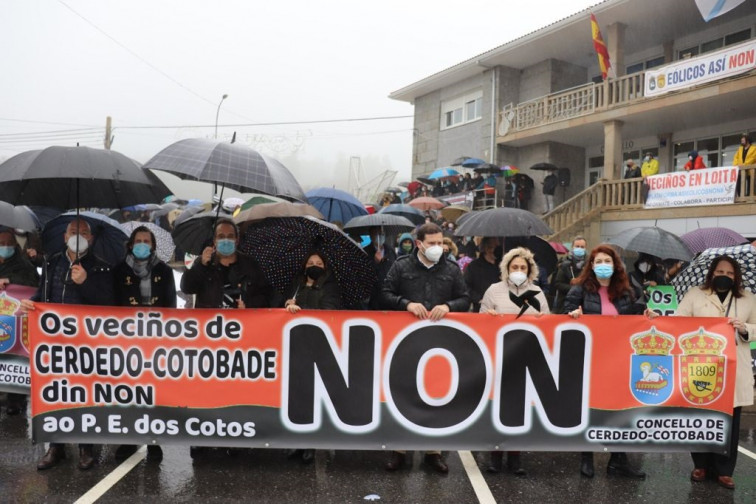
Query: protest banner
{"type": "Point", "coordinates": [380, 380]}
{"type": "Point", "coordinates": [712, 186]}
{"type": "Point", "coordinates": [14, 340]}
{"type": "Point", "coordinates": [461, 198]}
{"type": "Point", "coordinates": [662, 299]}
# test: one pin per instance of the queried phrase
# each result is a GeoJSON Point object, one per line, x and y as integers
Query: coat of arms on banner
{"type": "Point", "coordinates": [652, 371]}
{"type": "Point", "coordinates": [8, 307]}
{"type": "Point", "coordinates": [702, 366]}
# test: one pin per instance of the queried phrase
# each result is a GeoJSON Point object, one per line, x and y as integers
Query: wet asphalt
{"type": "Point", "coordinates": [268, 476]}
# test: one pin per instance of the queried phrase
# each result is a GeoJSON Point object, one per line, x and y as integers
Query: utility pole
{"type": "Point", "coordinates": [108, 132]}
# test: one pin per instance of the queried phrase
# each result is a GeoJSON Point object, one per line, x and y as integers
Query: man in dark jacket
{"type": "Point", "coordinates": [569, 268]}
{"type": "Point", "coordinates": [425, 284]}
{"type": "Point", "coordinates": [383, 256]}
{"type": "Point", "coordinates": [75, 276]}
{"type": "Point", "coordinates": [222, 277]}
{"type": "Point", "coordinates": [483, 271]}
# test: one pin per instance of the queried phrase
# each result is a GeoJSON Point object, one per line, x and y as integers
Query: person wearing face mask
{"type": "Point", "coordinates": [695, 162]}
{"type": "Point", "coordinates": [406, 244]}
{"type": "Point", "coordinates": [428, 286]}
{"type": "Point", "coordinates": [483, 271]}
{"type": "Point", "coordinates": [568, 269]}
{"type": "Point", "coordinates": [602, 288]}
{"type": "Point", "coordinates": [223, 277]}
{"type": "Point", "coordinates": [646, 273]}
{"type": "Point", "coordinates": [15, 268]}
{"type": "Point", "coordinates": [723, 295]}
{"type": "Point", "coordinates": [383, 257]}
{"type": "Point", "coordinates": [516, 294]}
{"type": "Point", "coordinates": [650, 165]}
{"type": "Point", "coordinates": [73, 276]}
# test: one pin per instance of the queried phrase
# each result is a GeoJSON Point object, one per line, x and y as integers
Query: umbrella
{"type": "Point", "coordinates": [196, 232]}
{"type": "Point", "coordinates": [231, 165]}
{"type": "Point", "coordinates": [164, 245]}
{"type": "Point", "coordinates": [413, 187]}
{"type": "Point", "coordinates": [509, 170]}
{"type": "Point", "coordinates": [280, 245]}
{"type": "Point", "coordinates": [165, 209]}
{"type": "Point", "coordinates": [426, 203]}
{"type": "Point", "coordinates": [18, 217]}
{"type": "Point", "coordinates": [280, 209]}
{"type": "Point", "coordinates": [109, 242]}
{"type": "Point", "coordinates": [460, 160]}
{"type": "Point", "coordinates": [472, 162]}
{"type": "Point", "coordinates": [442, 173]}
{"type": "Point", "coordinates": [335, 205]}
{"type": "Point", "coordinates": [260, 198]}
{"type": "Point", "coordinates": [503, 221]}
{"type": "Point", "coordinates": [410, 213]}
{"type": "Point", "coordinates": [704, 238]}
{"type": "Point", "coordinates": [391, 224]}
{"type": "Point", "coordinates": [453, 212]}
{"type": "Point", "coordinates": [487, 167]}
{"type": "Point", "coordinates": [695, 273]}
{"type": "Point", "coordinates": [559, 248]}
{"type": "Point", "coordinates": [75, 177]}
{"type": "Point", "coordinates": [544, 166]}
{"type": "Point", "coordinates": [186, 213]}
{"type": "Point", "coordinates": [654, 241]}
{"type": "Point", "coordinates": [545, 255]}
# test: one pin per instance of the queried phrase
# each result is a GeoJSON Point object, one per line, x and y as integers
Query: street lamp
{"type": "Point", "coordinates": [217, 113]}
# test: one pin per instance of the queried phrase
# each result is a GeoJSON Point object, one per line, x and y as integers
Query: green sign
{"type": "Point", "coordinates": [662, 299]}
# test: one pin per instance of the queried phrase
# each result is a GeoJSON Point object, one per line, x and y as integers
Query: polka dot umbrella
{"type": "Point", "coordinates": [695, 273]}
{"type": "Point", "coordinates": [164, 246]}
{"type": "Point", "coordinates": [281, 245]}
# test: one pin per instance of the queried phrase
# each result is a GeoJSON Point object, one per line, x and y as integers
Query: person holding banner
{"type": "Point", "coordinates": [603, 289]}
{"type": "Point", "coordinates": [73, 276]}
{"type": "Point", "coordinates": [142, 279]}
{"type": "Point", "coordinates": [428, 286]}
{"type": "Point", "coordinates": [15, 269]}
{"type": "Point", "coordinates": [723, 295]}
{"type": "Point", "coordinates": [515, 294]}
{"type": "Point", "coordinates": [695, 162]}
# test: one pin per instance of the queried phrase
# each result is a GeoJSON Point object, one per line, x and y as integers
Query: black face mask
{"type": "Point", "coordinates": [314, 272]}
{"type": "Point", "coordinates": [722, 283]}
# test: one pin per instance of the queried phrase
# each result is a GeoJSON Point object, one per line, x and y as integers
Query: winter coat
{"type": "Point", "coordinates": [498, 297]}
{"type": "Point", "coordinates": [207, 283]}
{"type": "Point", "coordinates": [591, 302]}
{"type": "Point", "coordinates": [638, 279]}
{"type": "Point", "coordinates": [697, 164]}
{"type": "Point", "coordinates": [748, 159]}
{"type": "Point", "coordinates": [322, 295]}
{"type": "Point", "coordinates": [97, 289]}
{"type": "Point", "coordinates": [19, 270]}
{"type": "Point", "coordinates": [567, 270]}
{"type": "Point", "coordinates": [633, 172]}
{"type": "Point", "coordinates": [705, 303]}
{"type": "Point", "coordinates": [409, 281]}
{"type": "Point", "coordinates": [650, 167]}
{"type": "Point", "coordinates": [479, 276]}
{"type": "Point", "coordinates": [126, 283]}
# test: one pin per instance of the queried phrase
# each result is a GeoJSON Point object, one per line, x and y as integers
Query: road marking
{"type": "Point", "coordinates": [747, 453]}
{"type": "Point", "coordinates": [114, 477]}
{"type": "Point", "coordinates": [482, 491]}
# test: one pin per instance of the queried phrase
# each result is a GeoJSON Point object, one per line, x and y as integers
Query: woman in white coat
{"type": "Point", "coordinates": [723, 295]}
{"type": "Point", "coordinates": [515, 294]}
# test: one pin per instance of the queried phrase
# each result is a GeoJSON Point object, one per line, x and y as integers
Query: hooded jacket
{"type": "Point", "coordinates": [696, 164]}
{"type": "Point", "coordinates": [403, 237]}
{"type": "Point", "coordinates": [506, 297]}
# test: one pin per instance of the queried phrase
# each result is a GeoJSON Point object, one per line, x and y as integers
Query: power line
{"type": "Point", "coordinates": [282, 123]}
{"type": "Point", "coordinates": [50, 133]}
{"type": "Point", "coordinates": [46, 122]}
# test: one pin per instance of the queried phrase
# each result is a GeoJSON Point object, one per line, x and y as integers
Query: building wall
{"type": "Point", "coordinates": [425, 141]}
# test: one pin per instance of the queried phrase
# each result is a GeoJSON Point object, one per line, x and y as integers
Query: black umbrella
{"type": "Point", "coordinates": [391, 224]}
{"type": "Point", "coordinates": [503, 222]}
{"type": "Point", "coordinates": [654, 241]}
{"type": "Point", "coordinates": [281, 245]}
{"type": "Point", "coordinates": [544, 166]}
{"type": "Point", "coordinates": [460, 160]}
{"type": "Point", "coordinates": [18, 217]}
{"type": "Point", "coordinates": [231, 165]}
{"type": "Point", "coordinates": [487, 168]}
{"type": "Point", "coordinates": [109, 242]}
{"type": "Point", "coordinates": [196, 232]}
{"type": "Point", "coordinates": [545, 255]}
{"type": "Point", "coordinates": [410, 213]}
{"type": "Point", "coordinates": [75, 177]}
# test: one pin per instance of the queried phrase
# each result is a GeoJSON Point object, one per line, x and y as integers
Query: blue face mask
{"type": "Point", "coordinates": [7, 252]}
{"type": "Point", "coordinates": [141, 250]}
{"type": "Point", "coordinates": [578, 252]}
{"type": "Point", "coordinates": [603, 271]}
{"type": "Point", "coordinates": [226, 247]}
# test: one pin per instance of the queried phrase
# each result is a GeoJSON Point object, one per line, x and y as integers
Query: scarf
{"type": "Point", "coordinates": [143, 270]}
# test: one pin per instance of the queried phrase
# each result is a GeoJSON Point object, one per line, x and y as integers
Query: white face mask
{"type": "Point", "coordinates": [83, 244]}
{"type": "Point", "coordinates": [518, 278]}
{"type": "Point", "coordinates": [433, 253]}
{"type": "Point", "coordinates": [644, 267]}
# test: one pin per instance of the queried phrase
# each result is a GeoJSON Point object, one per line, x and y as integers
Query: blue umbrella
{"type": "Point", "coordinates": [336, 205]}
{"type": "Point", "coordinates": [412, 214]}
{"type": "Point", "coordinates": [441, 173]}
{"type": "Point", "coordinates": [109, 237]}
{"type": "Point", "coordinates": [472, 162]}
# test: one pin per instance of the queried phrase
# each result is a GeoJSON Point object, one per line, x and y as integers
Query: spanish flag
{"type": "Point", "coordinates": [601, 50]}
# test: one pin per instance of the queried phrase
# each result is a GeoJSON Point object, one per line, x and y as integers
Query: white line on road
{"type": "Point", "coordinates": [114, 477]}
{"type": "Point", "coordinates": [747, 453]}
{"type": "Point", "coordinates": [482, 491]}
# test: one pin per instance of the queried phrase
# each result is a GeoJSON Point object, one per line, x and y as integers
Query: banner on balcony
{"type": "Point", "coordinates": [463, 198]}
{"type": "Point", "coordinates": [710, 186]}
{"type": "Point", "coordinates": [380, 380]}
{"type": "Point", "coordinates": [14, 340]}
{"type": "Point", "coordinates": [711, 66]}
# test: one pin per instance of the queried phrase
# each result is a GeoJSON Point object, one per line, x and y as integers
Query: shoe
{"type": "Point", "coordinates": [308, 456]}
{"type": "Point", "coordinates": [396, 461]}
{"type": "Point", "coordinates": [727, 482]}
{"type": "Point", "coordinates": [53, 455]}
{"type": "Point", "coordinates": [698, 475]}
{"type": "Point", "coordinates": [436, 461]}
{"type": "Point", "coordinates": [125, 451]}
{"type": "Point", "coordinates": [86, 458]}
{"type": "Point", "coordinates": [495, 464]}
{"type": "Point", "coordinates": [515, 464]}
{"type": "Point", "coordinates": [154, 453]}
{"type": "Point", "coordinates": [586, 465]}
{"type": "Point", "coordinates": [619, 466]}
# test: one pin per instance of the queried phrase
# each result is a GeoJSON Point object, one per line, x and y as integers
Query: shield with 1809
{"type": "Point", "coordinates": [702, 366]}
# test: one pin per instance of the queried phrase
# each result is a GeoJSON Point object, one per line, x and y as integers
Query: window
{"type": "Point", "coordinates": [730, 145]}
{"type": "Point", "coordinates": [462, 110]}
{"type": "Point", "coordinates": [655, 62]}
{"type": "Point", "coordinates": [737, 37]}
{"type": "Point", "coordinates": [681, 154]}
{"type": "Point", "coordinates": [712, 45]}
{"type": "Point", "coordinates": [688, 53]}
{"type": "Point", "coordinates": [708, 149]}
{"type": "Point", "coordinates": [645, 65]}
